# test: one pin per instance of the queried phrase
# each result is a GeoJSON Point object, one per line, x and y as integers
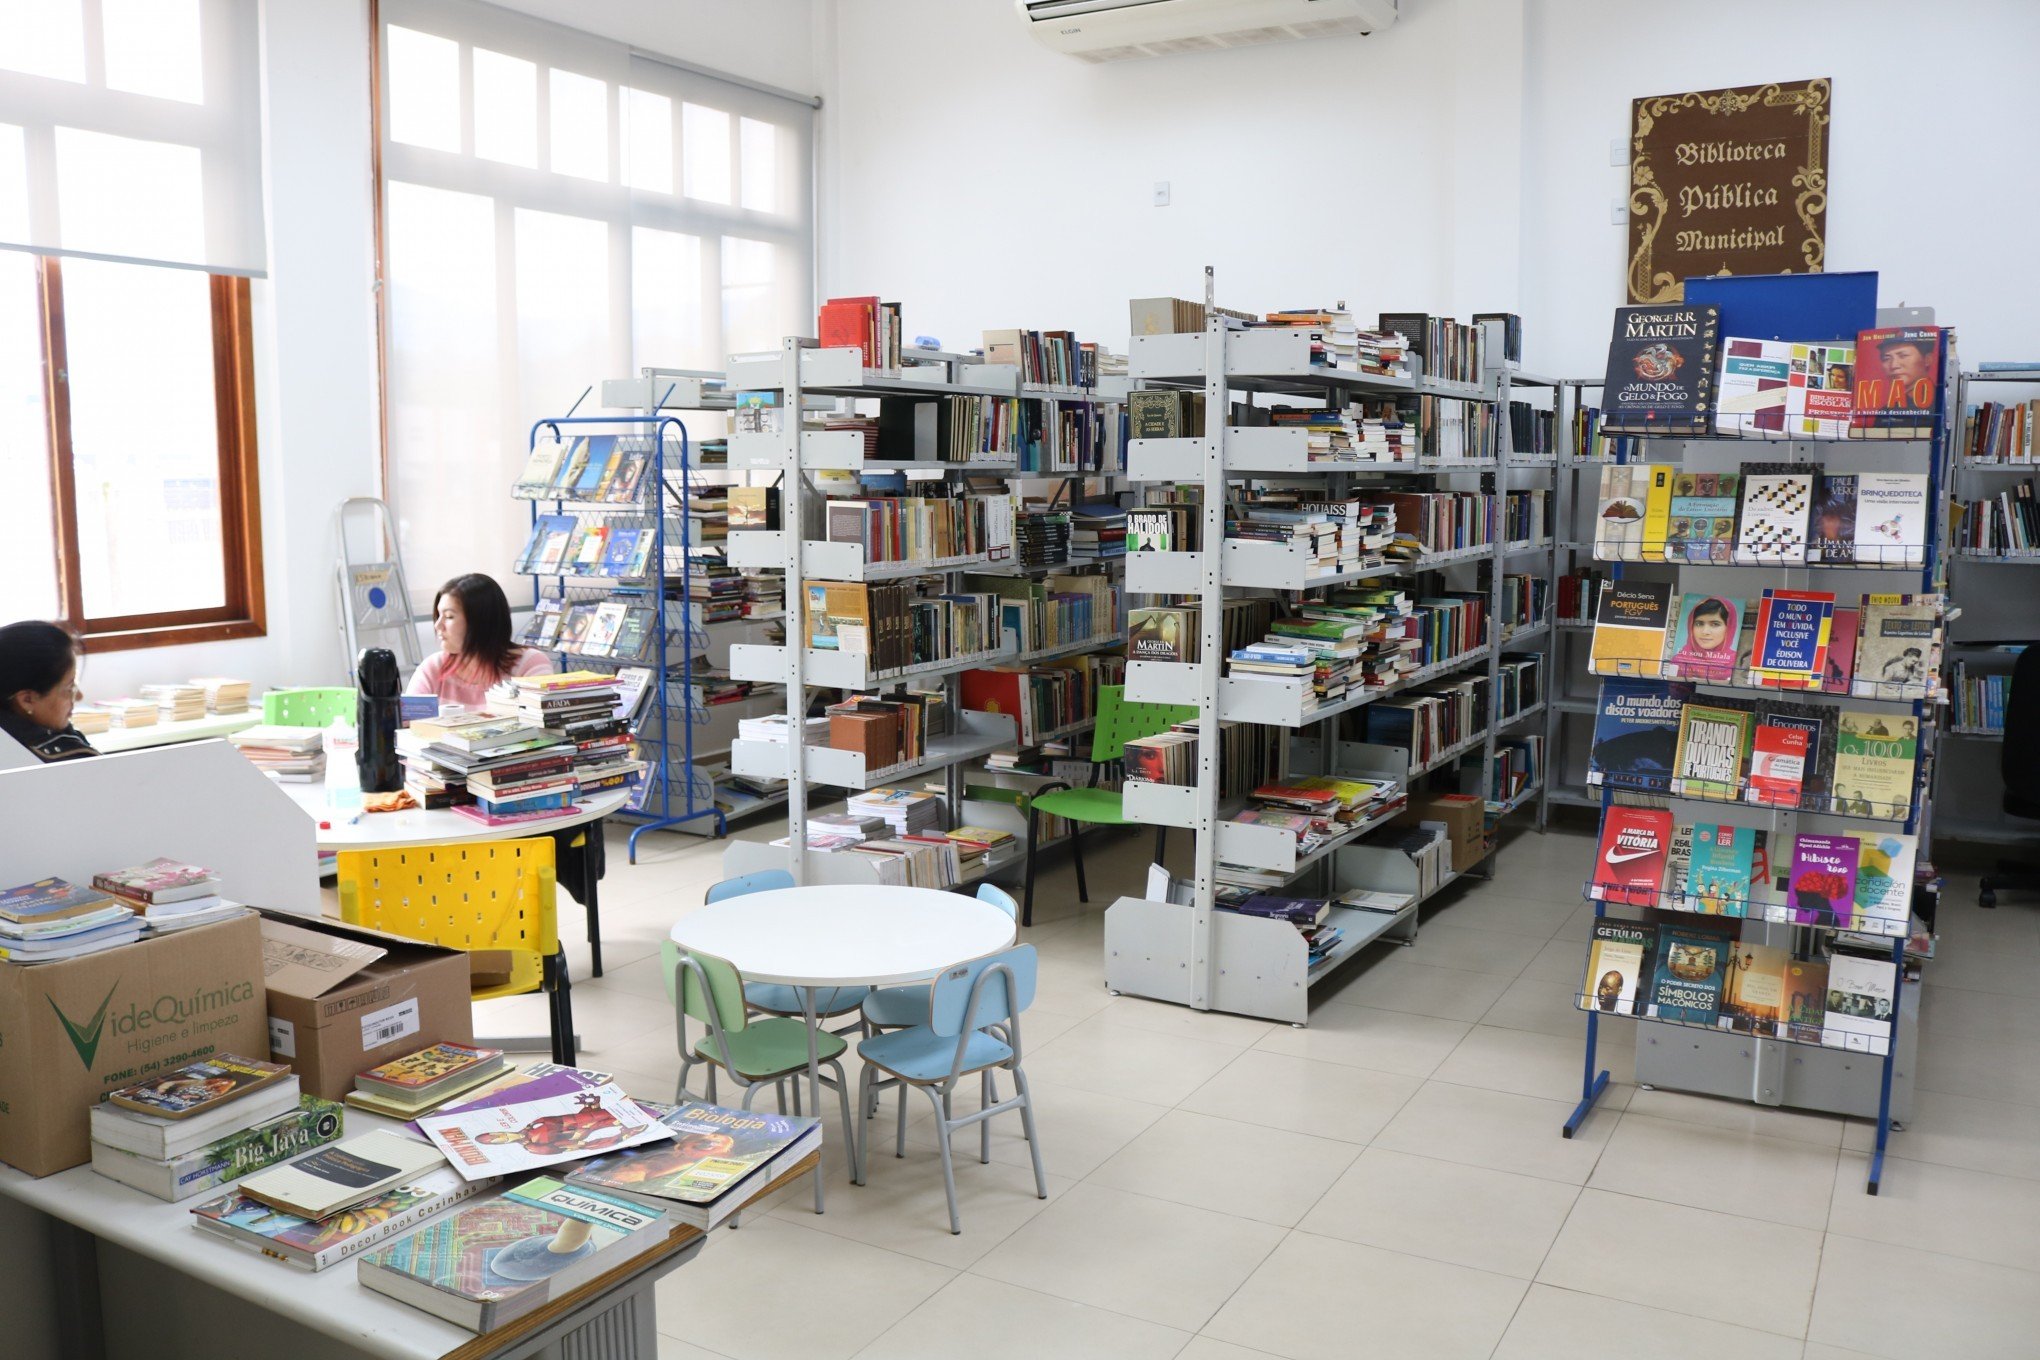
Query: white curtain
{"type": "Point", "coordinates": [558, 211]}
{"type": "Point", "coordinates": [132, 130]}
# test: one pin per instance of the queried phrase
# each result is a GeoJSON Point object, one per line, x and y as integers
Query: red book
{"type": "Point", "coordinates": [846, 323]}
{"type": "Point", "coordinates": [1777, 766]}
{"type": "Point", "coordinates": [1630, 864]}
{"type": "Point", "coordinates": [998, 691]}
{"type": "Point", "coordinates": [1898, 369]}
{"type": "Point", "coordinates": [1841, 655]}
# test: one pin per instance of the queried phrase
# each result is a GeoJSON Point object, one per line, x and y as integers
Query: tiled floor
{"type": "Point", "coordinates": [1388, 1182]}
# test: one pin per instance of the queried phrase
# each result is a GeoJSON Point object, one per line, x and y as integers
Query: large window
{"type": "Point", "coordinates": [556, 211]}
{"type": "Point", "coordinates": [130, 220]}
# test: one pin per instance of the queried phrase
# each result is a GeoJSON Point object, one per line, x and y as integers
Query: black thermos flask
{"type": "Point", "coordinates": [378, 711]}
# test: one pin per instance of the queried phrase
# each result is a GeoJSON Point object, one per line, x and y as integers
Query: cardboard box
{"type": "Point", "coordinates": [73, 1030]}
{"type": "Point", "coordinates": [1465, 818]}
{"type": "Point", "coordinates": [412, 995]}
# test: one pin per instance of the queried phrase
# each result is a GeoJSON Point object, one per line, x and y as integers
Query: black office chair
{"type": "Point", "coordinates": [2020, 767]}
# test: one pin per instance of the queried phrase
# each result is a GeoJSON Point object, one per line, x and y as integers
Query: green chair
{"type": "Point", "coordinates": [756, 1053]}
{"type": "Point", "coordinates": [308, 707]}
{"type": "Point", "coordinates": [1118, 723]}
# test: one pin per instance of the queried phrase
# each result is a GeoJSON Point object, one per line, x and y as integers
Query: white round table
{"type": "Point", "coordinates": [443, 826]}
{"type": "Point", "coordinates": [837, 935]}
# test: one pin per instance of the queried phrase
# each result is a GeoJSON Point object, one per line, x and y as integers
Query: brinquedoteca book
{"type": "Point", "coordinates": [492, 1262]}
{"type": "Point", "coordinates": [1661, 366]}
{"type": "Point", "coordinates": [1616, 965]}
{"type": "Point", "coordinates": [1636, 734]}
{"type": "Point", "coordinates": [1713, 744]}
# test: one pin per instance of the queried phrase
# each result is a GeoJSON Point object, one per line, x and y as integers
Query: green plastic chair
{"type": "Point", "coordinates": [756, 1053]}
{"type": "Point", "coordinates": [316, 707]}
{"type": "Point", "coordinates": [1118, 723]}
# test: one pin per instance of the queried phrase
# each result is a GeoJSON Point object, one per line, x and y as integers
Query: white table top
{"type": "Point", "coordinates": [432, 826]}
{"type": "Point", "coordinates": [170, 733]}
{"type": "Point", "coordinates": [845, 935]}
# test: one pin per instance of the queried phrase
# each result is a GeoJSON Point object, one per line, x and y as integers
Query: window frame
{"type": "Point", "coordinates": [243, 613]}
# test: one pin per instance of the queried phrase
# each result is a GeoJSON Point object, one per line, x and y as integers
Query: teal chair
{"type": "Point", "coordinates": [772, 998]}
{"type": "Point", "coordinates": [973, 1029]}
{"type": "Point", "coordinates": [1118, 723]}
{"type": "Point", "coordinates": [315, 707]}
{"type": "Point", "coordinates": [899, 1007]}
{"type": "Point", "coordinates": [753, 1053]}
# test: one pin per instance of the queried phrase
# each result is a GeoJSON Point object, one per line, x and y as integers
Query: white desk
{"type": "Point", "coordinates": [442, 826]}
{"type": "Point", "coordinates": [838, 935]}
{"type": "Point", "coordinates": [85, 1209]}
{"type": "Point", "coordinates": [170, 733]}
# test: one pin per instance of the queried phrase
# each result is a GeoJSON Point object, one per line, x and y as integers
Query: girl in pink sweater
{"type": "Point", "coordinates": [471, 618]}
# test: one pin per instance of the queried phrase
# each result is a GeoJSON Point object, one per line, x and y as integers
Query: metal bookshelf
{"type": "Point", "coordinates": [1195, 955]}
{"type": "Point", "coordinates": [1785, 1067]}
{"type": "Point", "coordinates": [801, 372]}
{"type": "Point", "coordinates": [1974, 757]}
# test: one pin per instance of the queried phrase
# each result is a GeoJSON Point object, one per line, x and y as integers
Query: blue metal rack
{"type": "Point", "coordinates": [656, 803]}
{"type": "Point", "coordinates": [1594, 1078]}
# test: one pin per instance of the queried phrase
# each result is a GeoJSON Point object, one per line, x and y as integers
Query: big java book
{"type": "Point", "coordinates": [1661, 368]}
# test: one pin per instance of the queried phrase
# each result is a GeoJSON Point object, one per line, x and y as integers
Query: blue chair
{"type": "Point", "coordinates": [965, 1005]}
{"type": "Point", "coordinates": [899, 1007]}
{"type": "Point", "coordinates": [773, 998]}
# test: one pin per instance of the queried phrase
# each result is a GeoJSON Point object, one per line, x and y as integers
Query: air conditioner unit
{"type": "Point", "coordinates": [1119, 30]}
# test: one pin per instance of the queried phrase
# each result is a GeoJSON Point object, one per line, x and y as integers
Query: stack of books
{"type": "Point", "coordinates": [841, 830]}
{"type": "Point", "coordinates": [506, 755]}
{"type": "Point", "coordinates": [222, 695]}
{"type": "Point", "coordinates": [167, 894]}
{"type": "Point", "coordinates": [583, 707]}
{"type": "Point", "coordinates": [906, 812]}
{"type": "Point", "coordinates": [125, 713]}
{"type": "Point", "coordinates": [983, 849]}
{"type": "Point", "coordinates": [53, 919]}
{"type": "Point", "coordinates": [1098, 532]}
{"type": "Point", "coordinates": [419, 1083]}
{"type": "Point", "coordinates": [205, 1124]}
{"type": "Point", "coordinates": [91, 718]}
{"type": "Point", "coordinates": [1042, 538]}
{"type": "Point", "coordinates": [764, 594]}
{"type": "Point", "coordinates": [177, 703]}
{"type": "Point", "coordinates": [775, 727]}
{"type": "Point", "coordinates": [720, 1160]}
{"type": "Point", "coordinates": [289, 755]}
{"type": "Point", "coordinates": [887, 731]}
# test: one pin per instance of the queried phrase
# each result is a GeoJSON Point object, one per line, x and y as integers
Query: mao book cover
{"type": "Point", "coordinates": [1714, 745]}
{"type": "Point", "coordinates": [1692, 966]}
{"type": "Point", "coordinates": [1636, 734]}
{"type": "Point", "coordinates": [1898, 369]}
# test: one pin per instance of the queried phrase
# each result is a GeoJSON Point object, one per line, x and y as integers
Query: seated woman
{"type": "Point", "coordinates": [38, 686]}
{"type": "Point", "coordinates": [471, 618]}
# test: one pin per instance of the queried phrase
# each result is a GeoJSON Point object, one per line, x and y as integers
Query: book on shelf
{"type": "Point", "coordinates": [1839, 675]}
{"type": "Point", "coordinates": [499, 1258]}
{"type": "Point", "coordinates": [1898, 373]}
{"type": "Point", "coordinates": [311, 1123]}
{"type": "Point", "coordinates": [1700, 524]}
{"type": "Point", "coordinates": [1891, 518]}
{"type": "Point", "coordinates": [343, 1175]}
{"type": "Point", "coordinates": [1636, 733]}
{"type": "Point", "coordinates": [1661, 369]}
{"type": "Point", "coordinates": [1713, 751]}
{"type": "Point", "coordinates": [1817, 721]}
{"type": "Point", "coordinates": [163, 1139]}
{"type": "Point", "coordinates": [1820, 889]}
{"type": "Point", "coordinates": [1774, 515]}
{"type": "Point", "coordinates": [316, 1243]}
{"type": "Point", "coordinates": [1721, 875]}
{"type": "Point", "coordinates": [1862, 1001]}
{"type": "Point", "coordinates": [1884, 882]}
{"type": "Point", "coordinates": [1784, 388]}
{"type": "Point", "coordinates": [1629, 866]}
{"type": "Point", "coordinates": [1875, 754]}
{"type": "Point", "coordinates": [1629, 628]}
{"type": "Point", "coordinates": [199, 1088]}
{"type": "Point", "coordinates": [1793, 633]}
{"type": "Point", "coordinates": [718, 1161]}
{"type": "Point", "coordinates": [1618, 961]}
{"type": "Point", "coordinates": [1777, 765]}
{"type": "Point", "coordinates": [1705, 631]}
{"type": "Point", "coordinates": [1753, 989]}
{"type": "Point", "coordinates": [1686, 983]}
{"type": "Point", "coordinates": [1898, 654]}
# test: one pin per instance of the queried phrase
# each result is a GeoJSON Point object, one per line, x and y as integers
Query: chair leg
{"type": "Point", "coordinates": [1077, 858]}
{"type": "Point", "coordinates": [560, 1008]}
{"type": "Point", "coordinates": [900, 1135]}
{"type": "Point", "coordinates": [1027, 1126]}
{"type": "Point", "coordinates": [680, 1085]}
{"type": "Point", "coordinates": [948, 1166]}
{"type": "Point", "coordinates": [866, 1098]}
{"type": "Point", "coordinates": [986, 1099]}
{"type": "Point", "coordinates": [850, 1126]}
{"type": "Point", "coordinates": [711, 1083]}
{"type": "Point", "coordinates": [1027, 892]}
{"type": "Point", "coordinates": [751, 1090]}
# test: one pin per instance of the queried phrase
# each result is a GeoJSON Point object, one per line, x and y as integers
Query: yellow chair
{"type": "Point", "coordinates": [493, 895]}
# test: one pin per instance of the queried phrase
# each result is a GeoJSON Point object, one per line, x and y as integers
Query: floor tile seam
{"type": "Point", "coordinates": [1187, 1334]}
{"type": "Point", "coordinates": [2033, 1271]}
{"type": "Point", "coordinates": [660, 1327]}
{"type": "Point", "coordinates": [1920, 1083]}
{"type": "Point", "coordinates": [1440, 1260]}
{"type": "Point", "coordinates": [1362, 1067]}
{"type": "Point", "coordinates": [1834, 1152]}
{"type": "Point", "coordinates": [1707, 1209]}
{"type": "Point", "coordinates": [844, 1186]}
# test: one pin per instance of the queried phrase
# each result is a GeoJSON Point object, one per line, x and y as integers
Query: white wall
{"type": "Point", "coordinates": [314, 351]}
{"type": "Point", "coordinates": [1924, 185]}
{"type": "Point", "coordinates": [1457, 162]}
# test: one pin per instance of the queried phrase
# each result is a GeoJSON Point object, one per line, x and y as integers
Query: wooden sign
{"type": "Point", "coordinates": [1727, 182]}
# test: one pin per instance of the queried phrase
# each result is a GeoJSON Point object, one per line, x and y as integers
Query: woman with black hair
{"type": "Point", "coordinates": [38, 687]}
{"type": "Point", "coordinates": [471, 618]}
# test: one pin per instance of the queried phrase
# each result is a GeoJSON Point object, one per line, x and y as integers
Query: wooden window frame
{"type": "Point", "coordinates": [243, 613]}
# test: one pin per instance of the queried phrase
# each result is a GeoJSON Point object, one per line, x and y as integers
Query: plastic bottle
{"type": "Point", "coordinates": [343, 780]}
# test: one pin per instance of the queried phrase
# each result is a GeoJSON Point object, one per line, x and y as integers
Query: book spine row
{"type": "Point", "coordinates": [1524, 599]}
{"type": "Point", "coordinates": [2008, 522]}
{"type": "Point", "coordinates": [2001, 432]}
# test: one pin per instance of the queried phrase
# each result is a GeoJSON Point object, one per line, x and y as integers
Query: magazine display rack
{"type": "Point", "coordinates": [1194, 954]}
{"type": "Point", "coordinates": [651, 575]}
{"type": "Point", "coordinates": [1776, 1054]}
{"type": "Point", "coordinates": [801, 375]}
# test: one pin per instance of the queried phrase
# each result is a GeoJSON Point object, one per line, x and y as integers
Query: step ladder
{"type": "Point", "coordinates": [373, 595]}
